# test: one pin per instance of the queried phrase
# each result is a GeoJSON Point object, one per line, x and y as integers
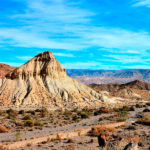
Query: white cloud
{"type": "Point", "coordinates": [59, 24]}
{"type": "Point", "coordinates": [141, 3]}
{"type": "Point", "coordinates": [24, 57]}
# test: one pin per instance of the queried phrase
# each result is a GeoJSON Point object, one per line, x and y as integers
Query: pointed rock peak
{"type": "Point", "coordinates": [43, 64]}
{"type": "Point", "coordinates": [45, 56]}
{"type": "Point", "coordinates": [42, 57]}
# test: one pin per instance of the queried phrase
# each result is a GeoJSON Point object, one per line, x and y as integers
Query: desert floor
{"type": "Point", "coordinates": [31, 124]}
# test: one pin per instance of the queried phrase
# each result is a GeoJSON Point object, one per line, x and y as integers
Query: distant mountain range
{"type": "Point", "coordinates": [109, 76]}
{"type": "Point", "coordinates": [87, 76]}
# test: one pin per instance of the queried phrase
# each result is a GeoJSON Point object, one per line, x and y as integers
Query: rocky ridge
{"type": "Point", "coordinates": [135, 89]}
{"type": "Point", "coordinates": [4, 69]}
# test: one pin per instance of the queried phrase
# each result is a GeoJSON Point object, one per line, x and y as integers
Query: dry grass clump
{"type": "Point", "coordinates": [3, 129]}
{"type": "Point", "coordinates": [59, 137]}
{"type": "Point", "coordinates": [102, 110]}
{"type": "Point", "coordinates": [38, 123]}
{"type": "Point", "coordinates": [145, 120]}
{"type": "Point", "coordinates": [101, 130]}
{"type": "Point", "coordinates": [70, 147]}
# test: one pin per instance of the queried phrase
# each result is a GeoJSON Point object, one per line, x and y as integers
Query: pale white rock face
{"type": "Point", "coordinates": [43, 81]}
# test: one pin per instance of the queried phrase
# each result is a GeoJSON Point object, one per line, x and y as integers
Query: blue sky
{"type": "Point", "coordinates": [83, 34]}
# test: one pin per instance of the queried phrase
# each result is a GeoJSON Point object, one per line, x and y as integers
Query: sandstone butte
{"type": "Point", "coordinates": [43, 81]}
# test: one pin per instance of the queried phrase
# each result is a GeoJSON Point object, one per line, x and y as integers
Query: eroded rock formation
{"type": "Point", "coordinates": [43, 81]}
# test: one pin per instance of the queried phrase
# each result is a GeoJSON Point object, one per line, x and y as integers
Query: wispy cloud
{"type": "Point", "coordinates": [138, 3]}
{"type": "Point", "coordinates": [88, 65]}
{"type": "Point", "coordinates": [59, 24]}
{"type": "Point", "coordinates": [24, 57]}
{"type": "Point", "coordinates": [65, 25]}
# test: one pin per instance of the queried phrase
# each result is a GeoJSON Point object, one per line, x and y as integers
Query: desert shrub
{"type": "Point", "coordinates": [11, 114]}
{"type": "Point", "coordinates": [98, 112]}
{"type": "Point", "coordinates": [29, 123]}
{"type": "Point", "coordinates": [132, 108]}
{"type": "Point", "coordinates": [70, 147]}
{"type": "Point", "coordinates": [67, 113]}
{"type": "Point", "coordinates": [100, 119]}
{"type": "Point", "coordinates": [122, 116]}
{"type": "Point", "coordinates": [101, 110]}
{"type": "Point", "coordinates": [124, 108]}
{"type": "Point", "coordinates": [75, 110]}
{"type": "Point", "coordinates": [148, 104]}
{"type": "Point", "coordinates": [75, 118]}
{"type": "Point", "coordinates": [146, 110]}
{"type": "Point", "coordinates": [105, 110]}
{"type": "Point", "coordinates": [17, 136]}
{"type": "Point", "coordinates": [19, 123]}
{"type": "Point", "coordinates": [85, 115]}
{"type": "Point", "coordinates": [37, 110]}
{"type": "Point", "coordinates": [32, 112]}
{"type": "Point", "coordinates": [145, 120]}
{"type": "Point", "coordinates": [21, 112]}
{"type": "Point", "coordinates": [2, 112]}
{"type": "Point", "coordinates": [70, 141]}
{"type": "Point", "coordinates": [37, 123]}
{"type": "Point", "coordinates": [131, 127]}
{"type": "Point", "coordinates": [43, 112]}
{"type": "Point", "coordinates": [138, 106]}
{"type": "Point", "coordinates": [27, 117]}
{"type": "Point", "coordinates": [102, 130]}
{"type": "Point", "coordinates": [121, 119]}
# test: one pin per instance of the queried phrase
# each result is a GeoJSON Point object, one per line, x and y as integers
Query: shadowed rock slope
{"type": "Point", "coordinates": [43, 81]}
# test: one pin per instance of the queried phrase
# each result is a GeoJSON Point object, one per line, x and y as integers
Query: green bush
{"type": "Point", "coordinates": [29, 123]}
{"type": "Point", "coordinates": [67, 113]}
{"type": "Point", "coordinates": [11, 114]}
{"type": "Point", "coordinates": [37, 123]}
{"type": "Point", "coordinates": [84, 115]}
{"type": "Point", "coordinates": [75, 118]}
{"type": "Point", "coordinates": [138, 106]}
{"type": "Point", "coordinates": [98, 112]}
{"type": "Point", "coordinates": [122, 116]}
